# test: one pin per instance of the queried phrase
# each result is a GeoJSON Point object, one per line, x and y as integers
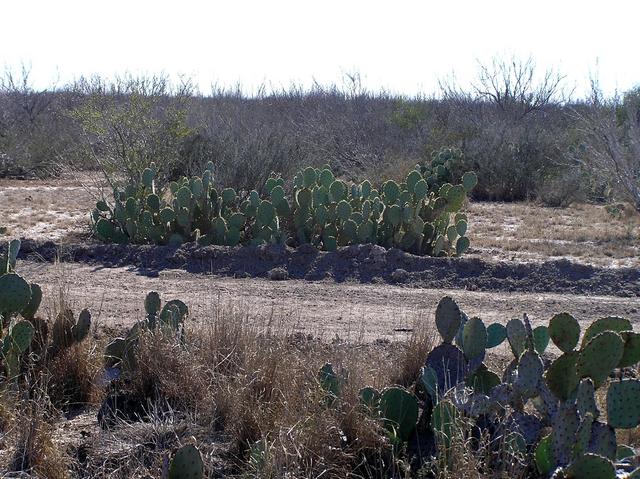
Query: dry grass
{"type": "Point", "coordinates": [247, 394]}
{"type": "Point", "coordinates": [526, 232]}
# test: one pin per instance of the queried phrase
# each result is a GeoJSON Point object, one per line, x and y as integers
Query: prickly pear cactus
{"type": "Point", "coordinates": [399, 411]}
{"type": "Point", "coordinates": [15, 294]}
{"type": "Point", "coordinates": [448, 319]}
{"type": "Point", "coordinates": [187, 464]}
{"type": "Point", "coordinates": [600, 356]}
{"type": "Point", "coordinates": [564, 331]}
{"type": "Point", "coordinates": [623, 404]}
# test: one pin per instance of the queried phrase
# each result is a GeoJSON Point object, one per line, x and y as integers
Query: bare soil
{"type": "Point", "coordinates": [350, 311]}
{"type": "Point", "coordinates": [525, 259]}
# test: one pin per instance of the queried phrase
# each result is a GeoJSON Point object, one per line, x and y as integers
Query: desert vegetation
{"type": "Point", "coordinates": [324, 282]}
{"type": "Point", "coordinates": [230, 399]}
{"type": "Point", "coordinates": [516, 127]}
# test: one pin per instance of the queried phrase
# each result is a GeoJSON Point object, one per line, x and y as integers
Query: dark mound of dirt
{"type": "Point", "coordinates": [361, 263]}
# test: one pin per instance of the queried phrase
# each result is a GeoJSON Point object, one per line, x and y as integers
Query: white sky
{"type": "Point", "coordinates": [403, 46]}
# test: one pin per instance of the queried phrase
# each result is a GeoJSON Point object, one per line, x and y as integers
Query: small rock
{"type": "Point", "coordinates": [278, 274]}
{"type": "Point", "coordinates": [400, 276]}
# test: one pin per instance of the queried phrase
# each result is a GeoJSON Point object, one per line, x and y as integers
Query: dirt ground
{"type": "Point", "coordinates": [597, 274]}
{"type": "Point", "coordinates": [327, 309]}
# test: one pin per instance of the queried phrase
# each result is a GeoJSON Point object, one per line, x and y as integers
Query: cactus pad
{"type": "Point", "coordinates": [15, 293]}
{"type": "Point", "coordinates": [496, 334]}
{"type": "Point", "coordinates": [563, 436]}
{"type": "Point", "coordinates": [561, 377]}
{"type": "Point", "coordinates": [474, 339]}
{"type": "Point", "coordinates": [541, 339]}
{"type": "Point", "coordinates": [631, 354]}
{"type": "Point", "coordinates": [600, 356]}
{"type": "Point", "coordinates": [527, 425]}
{"type": "Point", "coordinates": [448, 319]}
{"type": "Point", "coordinates": [449, 364]}
{"type": "Point", "coordinates": [591, 466]}
{"type": "Point", "coordinates": [399, 410]}
{"type": "Point", "coordinates": [152, 303]}
{"type": "Point", "coordinates": [544, 456]}
{"type": "Point", "coordinates": [187, 464]}
{"type": "Point", "coordinates": [564, 331]}
{"type": "Point", "coordinates": [330, 382]}
{"type": "Point", "coordinates": [483, 380]}
{"type": "Point", "coordinates": [623, 404]}
{"type": "Point", "coordinates": [611, 323]}
{"type": "Point", "coordinates": [429, 381]}
{"type": "Point", "coordinates": [517, 336]}
{"type": "Point", "coordinates": [530, 370]}
{"type": "Point", "coordinates": [34, 303]}
{"type": "Point", "coordinates": [81, 329]}
{"type": "Point", "coordinates": [586, 399]}
{"type": "Point", "coordinates": [369, 398]}
{"type": "Point", "coordinates": [602, 440]}
{"type": "Point", "coordinates": [21, 335]}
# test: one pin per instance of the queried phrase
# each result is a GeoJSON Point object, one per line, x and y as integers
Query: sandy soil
{"type": "Point", "coordinates": [348, 310]}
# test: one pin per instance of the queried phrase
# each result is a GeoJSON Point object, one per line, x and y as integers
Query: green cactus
{"type": "Point", "coordinates": [600, 356]}
{"type": "Point", "coordinates": [517, 336]}
{"type": "Point", "coordinates": [330, 382]}
{"type": "Point", "coordinates": [612, 323]}
{"type": "Point", "coordinates": [187, 464]}
{"type": "Point", "coordinates": [370, 400]}
{"type": "Point", "coordinates": [474, 339]}
{"type": "Point", "coordinates": [541, 339]}
{"type": "Point", "coordinates": [561, 377]}
{"type": "Point", "coordinates": [530, 370]}
{"type": "Point", "coordinates": [591, 466]}
{"type": "Point", "coordinates": [448, 319]}
{"type": "Point", "coordinates": [30, 311]}
{"type": "Point", "coordinates": [586, 399]}
{"type": "Point", "coordinates": [15, 294]}
{"type": "Point", "coordinates": [565, 427]}
{"type": "Point", "coordinates": [631, 354]}
{"type": "Point", "coordinates": [564, 331]}
{"type": "Point", "coordinates": [399, 411]}
{"type": "Point", "coordinates": [544, 456]}
{"type": "Point", "coordinates": [496, 334]}
{"type": "Point", "coordinates": [623, 404]}
{"type": "Point", "coordinates": [80, 330]}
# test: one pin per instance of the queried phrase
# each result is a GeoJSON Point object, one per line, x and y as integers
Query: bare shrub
{"type": "Point", "coordinates": [611, 132]}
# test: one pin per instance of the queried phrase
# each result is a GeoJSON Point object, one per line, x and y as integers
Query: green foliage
{"type": "Point", "coordinates": [187, 464]}
{"type": "Point", "coordinates": [324, 211]}
{"type": "Point", "coordinates": [168, 321]}
{"type": "Point", "coordinates": [563, 393]}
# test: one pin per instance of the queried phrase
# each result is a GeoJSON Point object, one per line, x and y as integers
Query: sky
{"type": "Point", "coordinates": [404, 47]}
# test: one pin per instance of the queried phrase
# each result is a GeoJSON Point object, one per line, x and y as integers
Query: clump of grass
{"type": "Point", "coordinates": [33, 449]}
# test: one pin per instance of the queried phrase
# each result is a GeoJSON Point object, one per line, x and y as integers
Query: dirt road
{"type": "Point", "coordinates": [325, 308]}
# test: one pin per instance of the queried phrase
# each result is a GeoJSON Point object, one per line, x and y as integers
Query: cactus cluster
{"type": "Point", "coordinates": [419, 215]}
{"type": "Point", "coordinates": [167, 320]}
{"type": "Point", "coordinates": [19, 324]}
{"type": "Point", "coordinates": [190, 209]}
{"type": "Point", "coordinates": [410, 215]}
{"type": "Point", "coordinates": [545, 409]}
{"type": "Point", "coordinates": [564, 393]}
{"type": "Point", "coordinates": [19, 303]}
{"type": "Point", "coordinates": [446, 165]}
